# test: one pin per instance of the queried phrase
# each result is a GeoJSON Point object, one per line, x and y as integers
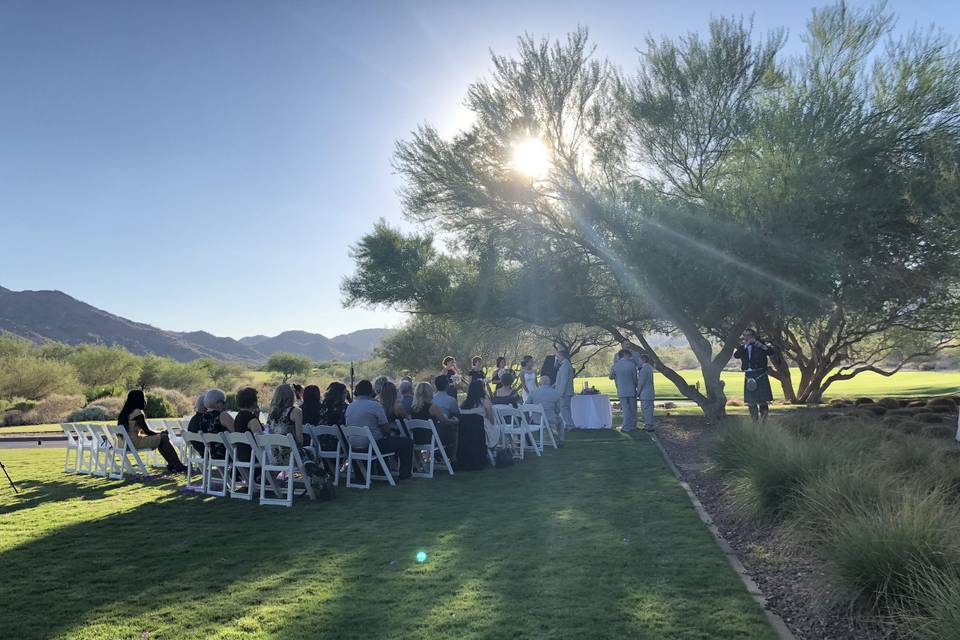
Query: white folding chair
{"type": "Point", "coordinates": [514, 430]}
{"type": "Point", "coordinates": [361, 446]}
{"type": "Point", "coordinates": [195, 461]}
{"type": "Point", "coordinates": [103, 450]}
{"type": "Point", "coordinates": [320, 454]}
{"type": "Point", "coordinates": [213, 461]}
{"type": "Point", "coordinates": [274, 446]}
{"type": "Point", "coordinates": [73, 446]}
{"type": "Point", "coordinates": [246, 468]}
{"type": "Point", "coordinates": [121, 452]}
{"type": "Point", "coordinates": [88, 442]}
{"type": "Point", "coordinates": [430, 448]}
{"type": "Point", "coordinates": [536, 419]}
{"type": "Point", "coordinates": [173, 433]}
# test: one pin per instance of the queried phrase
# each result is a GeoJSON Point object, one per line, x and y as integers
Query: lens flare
{"type": "Point", "coordinates": [421, 556]}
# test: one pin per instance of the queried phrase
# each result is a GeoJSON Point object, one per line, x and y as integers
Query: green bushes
{"type": "Point", "coordinates": [879, 505]}
{"type": "Point", "coordinates": [159, 407]}
{"type": "Point", "coordinates": [92, 413]}
{"type": "Point", "coordinates": [54, 408]}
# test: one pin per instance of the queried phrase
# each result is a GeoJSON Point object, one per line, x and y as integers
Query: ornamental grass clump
{"type": "Point", "coordinates": [874, 550]}
{"type": "Point", "coordinates": [932, 609]}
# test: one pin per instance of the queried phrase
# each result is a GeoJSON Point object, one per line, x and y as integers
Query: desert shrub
{"type": "Point", "coordinates": [942, 408]}
{"type": "Point", "coordinates": [908, 455]}
{"type": "Point", "coordinates": [943, 401]}
{"type": "Point", "coordinates": [36, 378]}
{"type": "Point", "coordinates": [911, 426]}
{"type": "Point", "coordinates": [932, 609]}
{"type": "Point", "coordinates": [875, 549]}
{"type": "Point", "coordinates": [13, 418]}
{"type": "Point", "coordinates": [920, 410]}
{"type": "Point", "coordinates": [900, 412]}
{"type": "Point", "coordinates": [938, 431]}
{"type": "Point", "coordinates": [892, 422]}
{"type": "Point", "coordinates": [91, 413]}
{"type": "Point", "coordinates": [159, 407]}
{"type": "Point", "coordinates": [929, 418]}
{"type": "Point", "coordinates": [876, 409]}
{"type": "Point", "coordinates": [182, 404]}
{"type": "Point", "coordinates": [112, 404]}
{"type": "Point", "coordinates": [103, 366]}
{"type": "Point", "coordinates": [23, 405]}
{"type": "Point", "coordinates": [840, 402]}
{"type": "Point", "coordinates": [860, 401]}
{"type": "Point", "coordinates": [54, 408]}
{"type": "Point", "coordinates": [768, 466]}
{"type": "Point", "coordinates": [889, 403]}
{"type": "Point", "coordinates": [840, 491]}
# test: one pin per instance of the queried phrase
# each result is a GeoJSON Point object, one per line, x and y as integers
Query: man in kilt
{"type": "Point", "coordinates": [753, 356]}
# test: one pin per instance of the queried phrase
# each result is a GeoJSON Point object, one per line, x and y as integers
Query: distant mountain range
{"type": "Point", "coordinates": [41, 316]}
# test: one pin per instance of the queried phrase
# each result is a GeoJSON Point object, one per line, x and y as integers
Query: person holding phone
{"type": "Point", "coordinates": [757, 393]}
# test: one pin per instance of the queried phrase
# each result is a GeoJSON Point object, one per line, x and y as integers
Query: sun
{"type": "Point", "coordinates": [531, 157]}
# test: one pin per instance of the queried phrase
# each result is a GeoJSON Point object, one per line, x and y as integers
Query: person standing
{"type": "Point", "coordinates": [528, 377]}
{"type": "Point", "coordinates": [564, 385]}
{"type": "Point", "coordinates": [757, 393]}
{"type": "Point", "coordinates": [645, 391]}
{"type": "Point", "coordinates": [624, 375]}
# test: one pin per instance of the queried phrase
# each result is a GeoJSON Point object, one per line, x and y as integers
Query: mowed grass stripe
{"type": "Point", "coordinates": [596, 540]}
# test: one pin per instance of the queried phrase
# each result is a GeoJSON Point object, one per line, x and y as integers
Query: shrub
{"type": "Point", "coordinates": [920, 410]}
{"type": "Point", "coordinates": [231, 401]}
{"type": "Point", "coordinates": [912, 426]}
{"type": "Point", "coordinates": [929, 418]}
{"type": "Point", "coordinates": [942, 408]}
{"type": "Point", "coordinates": [889, 403]}
{"type": "Point", "coordinates": [907, 455]}
{"type": "Point", "coordinates": [54, 408]}
{"type": "Point", "coordinates": [24, 405]}
{"type": "Point", "coordinates": [860, 401]}
{"type": "Point", "coordinates": [893, 422]}
{"type": "Point", "coordinates": [182, 405]}
{"type": "Point", "coordinates": [91, 413]}
{"type": "Point", "coordinates": [900, 412]}
{"type": "Point", "coordinates": [112, 404]}
{"type": "Point", "coordinates": [875, 549]}
{"type": "Point", "coordinates": [159, 407]}
{"type": "Point", "coordinates": [840, 491]}
{"type": "Point", "coordinates": [876, 409]}
{"type": "Point", "coordinates": [105, 391]}
{"type": "Point", "coordinates": [943, 401]}
{"type": "Point", "coordinates": [938, 431]}
{"type": "Point", "coordinates": [13, 418]}
{"type": "Point", "coordinates": [932, 610]}
{"type": "Point", "coordinates": [36, 378]}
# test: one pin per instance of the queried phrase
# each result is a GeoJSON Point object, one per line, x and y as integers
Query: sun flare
{"type": "Point", "coordinates": [531, 157]}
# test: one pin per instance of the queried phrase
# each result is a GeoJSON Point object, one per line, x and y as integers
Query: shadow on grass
{"type": "Point", "coordinates": [594, 540]}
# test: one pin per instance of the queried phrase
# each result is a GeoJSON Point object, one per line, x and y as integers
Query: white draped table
{"type": "Point", "coordinates": [591, 411]}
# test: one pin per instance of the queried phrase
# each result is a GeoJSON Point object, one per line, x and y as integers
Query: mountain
{"type": "Point", "coordinates": [42, 316]}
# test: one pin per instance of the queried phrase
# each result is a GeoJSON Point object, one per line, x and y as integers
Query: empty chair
{"type": "Point", "coordinates": [73, 447]}
{"type": "Point", "coordinates": [362, 447]}
{"type": "Point", "coordinates": [88, 444]}
{"type": "Point", "coordinates": [536, 419]}
{"type": "Point", "coordinates": [326, 444]}
{"type": "Point", "coordinates": [514, 430]}
{"type": "Point", "coordinates": [426, 441]}
{"type": "Point", "coordinates": [281, 447]}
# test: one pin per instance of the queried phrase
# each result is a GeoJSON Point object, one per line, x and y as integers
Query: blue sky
{"type": "Point", "coordinates": [185, 163]}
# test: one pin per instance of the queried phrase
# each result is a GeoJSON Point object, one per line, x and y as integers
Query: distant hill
{"type": "Point", "coordinates": [42, 316]}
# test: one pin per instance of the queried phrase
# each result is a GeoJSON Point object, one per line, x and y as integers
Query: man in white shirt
{"type": "Point", "coordinates": [624, 375]}
{"type": "Point", "coordinates": [645, 391]}
{"type": "Point", "coordinates": [549, 398]}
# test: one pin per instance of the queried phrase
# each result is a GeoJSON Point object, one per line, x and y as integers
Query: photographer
{"type": "Point", "coordinates": [753, 356]}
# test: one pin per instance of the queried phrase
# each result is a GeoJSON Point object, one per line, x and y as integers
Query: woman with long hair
{"type": "Point", "coordinates": [134, 420]}
{"type": "Point", "coordinates": [285, 416]}
{"type": "Point", "coordinates": [335, 402]}
{"type": "Point", "coordinates": [505, 393]}
{"type": "Point", "coordinates": [312, 406]}
{"type": "Point", "coordinates": [528, 377]}
{"type": "Point", "coordinates": [247, 418]}
{"type": "Point", "coordinates": [477, 403]}
{"type": "Point", "coordinates": [390, 400]}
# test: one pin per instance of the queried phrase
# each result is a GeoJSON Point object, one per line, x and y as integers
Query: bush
{"type": "Point", "coordinates": [112, 404]}
{"type": "Point", "coordinates": [841, 491]}
{"type": "Point", "coordinates": [932, 611]}
{"type": "Point", "coordinates": [91, 413]}
{"type": "Point", "coordinates": [54, 408]}
{"type": "Point", "coordinates": [860, 401]}
{"type": "Point", "coordinates": [106, 391]}
{"type": "Point", "coordinates": [23, 405]}
{"type": "Point", "coordinates": [36, 378]}
{"type": "Point", "coordinates": [159, 407]}
{"type": "Point", "coordinates": [182, 405]}
{"type": "Point", "coordinates": [938, 431]}
{"type": "Point", "coordinates": [875, 549]}
{"type": "Point", "coordinates": [900, 412]}
{"type": "Point", "coordinates": [908, 455]}
{"type": "Point", "coordinates": [889, 403]}
{"type": "Point", "coordinates": [912, 426]}
{"type": "Point", "coordinates": [929, 418]}
{"type": "Point", "coordinates": [943, 401]}
{"type": "Point", "coordinates": [13, 418]}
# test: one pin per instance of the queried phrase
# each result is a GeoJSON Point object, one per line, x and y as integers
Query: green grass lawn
{"type": "Point", "coordinates": [596, 540]}
{"type": "Point", "coordinates": [904, 383]}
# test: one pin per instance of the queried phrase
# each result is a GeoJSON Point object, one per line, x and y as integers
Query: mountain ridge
{"type": "Point", "coordinates": [52, 315]}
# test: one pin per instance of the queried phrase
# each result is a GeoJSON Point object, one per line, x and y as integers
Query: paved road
{"type": "Point", "coordinates": [47, 444]}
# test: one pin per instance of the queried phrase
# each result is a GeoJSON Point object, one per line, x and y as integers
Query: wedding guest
{"type": "Point", "coordinates": [285, 417]}
{"type": "Point", "coordinates": [364, 411]}
{"type": "Point", "coordinates": [336, 399]}
{"type": "Point", "coordinates": [406, 394]}
{"type": "Point", "coordinates": [134, 420]}
{"type": "Point", "coordinates": [505, 393]}
{"type": "Point", "coordinates": [247, 418]}
{"type": "Point", "coordinates": [378, 383]}
{"type": "Point", "coordinates": [477, 403]}
{"type": "Point", "coordinates": [390, 400]}
{"type": "Point", "coordinates": [298, 392]}
{"type": "Point", "coordinates": [498, 372]}
{"type": "Point", "coordinates": [645, 391]}
{"type": "Point", "coordinates": [549, 398]}
{"type": "Point", "coordinates": [564, 385]}
{"type": "Point", "coordinates": [624, 374]}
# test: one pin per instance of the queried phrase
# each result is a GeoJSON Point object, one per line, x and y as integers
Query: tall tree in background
{"type": "Point", "coordinates": [857, 157]}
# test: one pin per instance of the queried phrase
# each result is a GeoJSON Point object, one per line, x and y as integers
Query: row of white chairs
{"type": "Point", "coordinates": [108, 451]}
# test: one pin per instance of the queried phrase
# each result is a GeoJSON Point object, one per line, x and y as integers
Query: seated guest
{"type": "Point", "coordinates": [298, 392]}
{"type": "Point", "coordinates": [406, 394]}
{"type": "Point", "coordinates": [312, 406]}
{"type": "Point", "coordinates": [335, 401]}
{"type": "Point", "coordinates": [285, 417]}
{"type": "Point", "coordinates": [477, 403]}
{"type": "Point", "coordinates": [445, 405]}
{"type": "Point", "coordinates": [391, 406]}
{"type": "Point", "coordinates": [133, 419]}
{"type": "Point", "coordinates": [378, 383]}
{"type": "Point", "coordinates": [364, 411]}
{"type": "Point", "coordinates": [216, 418]}
{"type": "Point", "coordinates": [549, 398]}
{"type": "Point", "coordinates": [194, 425]}
{"type": "Point", "coordinates": [247, 418]}
{"type": "Point", "coordinates": [425, 409]}
{"type": "Point", "coordinates": [505, 393]}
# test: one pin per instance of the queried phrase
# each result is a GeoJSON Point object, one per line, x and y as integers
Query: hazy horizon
{"type": "Point", "coordinates": [206, 166]}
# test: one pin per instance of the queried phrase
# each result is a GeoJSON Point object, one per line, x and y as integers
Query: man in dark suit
{"type": "Point", "coordinates": [757, 393]}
